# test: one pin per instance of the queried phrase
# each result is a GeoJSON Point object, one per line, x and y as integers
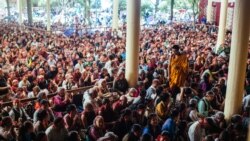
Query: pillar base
{"type": "Point", "coordinates": [238, 59]}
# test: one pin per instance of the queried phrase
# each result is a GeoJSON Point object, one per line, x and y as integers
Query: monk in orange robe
{"type": "Point", "coordinates": [178, 68]}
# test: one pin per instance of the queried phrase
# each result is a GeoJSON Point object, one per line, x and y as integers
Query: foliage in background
{"type": "Point", "coordinates": [195, 8]}
{"type": "Point", "coordinates": [146, 7]}
{"type": "Point", "coordinates": [161, 5]}
{"type": "Point", "coordinates": [122, 5]}
{"type": "Point", "coordinates": [182, 4]}
{"type": "Point", "coordinates": [96, 4]}
{"type": "Point", "coordinates": [164, 6]}
{"type": "Point", "coordinates": [178, 4]}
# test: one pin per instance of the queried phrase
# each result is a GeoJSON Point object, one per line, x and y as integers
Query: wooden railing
{"type": "Point", "coordinates": [81, 89]}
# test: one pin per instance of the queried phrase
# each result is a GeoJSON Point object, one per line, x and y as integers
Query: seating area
{"type": "Point", "coordinates": [57, 88]}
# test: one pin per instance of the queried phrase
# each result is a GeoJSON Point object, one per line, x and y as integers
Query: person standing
{"type": "Point", "coordinates": [178, 68]}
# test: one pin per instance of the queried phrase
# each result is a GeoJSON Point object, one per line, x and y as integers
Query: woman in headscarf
{"type": "Point", "coordinates": [102, 87]}
{"type": "Point", "coordinates": [97, 130]}
{"type": "Point", "coordinates": [120, 83]}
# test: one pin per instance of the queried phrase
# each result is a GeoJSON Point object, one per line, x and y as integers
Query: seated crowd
{"type": "Point", "coordinates": [52, 68]}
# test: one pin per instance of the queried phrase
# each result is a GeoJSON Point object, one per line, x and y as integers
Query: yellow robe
{"type": "Point", "coordinates": [178, 70]}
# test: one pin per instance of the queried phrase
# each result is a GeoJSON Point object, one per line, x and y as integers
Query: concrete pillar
{"type": "Point", "coordinates": [29, 11]}
{"type": "Point", "coordinates": [20, 11]}
{"type": "Point", "coordinates": [238, 58]}
{"type": "Point", "coordinates": [115, 19]}
{"type": "Point", "coordinates": [48, 15]}
{"type": "Point", "coordinates": [132, 41]}
{"type": "Point", "coordinates": [210, 11]}
{"type": "Point", "coordinates": [222, 23]}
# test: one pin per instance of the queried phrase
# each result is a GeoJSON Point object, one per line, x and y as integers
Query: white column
{"type": "Point", "coordinates": [222, 24]}
{"type": "Point", "coordinates": [238, 58]}
{"type": "Point", "coordinates": [20, 11]}
{"type": "Point", "coordinates": [48, 14]}
{"type": "Point", "coordinates": [210, 11]}
{"type": "Point", "coordinates": [115, 19]}
{"type": "Point", "coordinates": [132, 41]}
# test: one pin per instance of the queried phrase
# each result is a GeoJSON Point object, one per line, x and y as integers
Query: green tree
{"type": "Point", "coordinates": [195, 8]}
{"type": "Point", "coordinates": [172, 10]}
{"type": "Point", "coordinates": [87, 7]}
{"type": "Point", "coordinates": [54, 3]}
{"type": "Point", "coordinates": [122, 5]}
{"type": "Point", "coordinates": [96, 4]}
{"type": "Point", "coordinates": [157, 2]}
{"type": "Point", "coordinates": [38, 3]}
{"type": "Point", "coordinates": [146, 7]}
{"type": "Point", "coordinates": [182, 4]}
{"type": "Point", "coordinates": [164, 6]}
{"type": "Point", "coordinates": [8, 8]}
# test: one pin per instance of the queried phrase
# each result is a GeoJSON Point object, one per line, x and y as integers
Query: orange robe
{"type": "Point", "coordinates": [178, 70]}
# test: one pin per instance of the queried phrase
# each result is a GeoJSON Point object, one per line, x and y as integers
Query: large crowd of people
{"type": "Point", "coordinates": [179, 96]}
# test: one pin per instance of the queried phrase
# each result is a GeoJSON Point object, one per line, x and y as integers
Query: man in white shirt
{"type": "Point", "coordinates": [89, 97]}
{"type": "Point", "coordinates": [109, 62]}
{"type": "Point", "coordinates": [79, 66]}
{"type": "Point", "coordinates": [196, 131]}
{"type": "Point", "coordinates": [246, 102]}
{"type": "Point", "coordinates": [57, 131]}
{"type": "Point", "coordinates": [151, 91]}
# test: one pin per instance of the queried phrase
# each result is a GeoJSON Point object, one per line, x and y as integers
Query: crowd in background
{"type": "Point", "coordinates": [35, 64]}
